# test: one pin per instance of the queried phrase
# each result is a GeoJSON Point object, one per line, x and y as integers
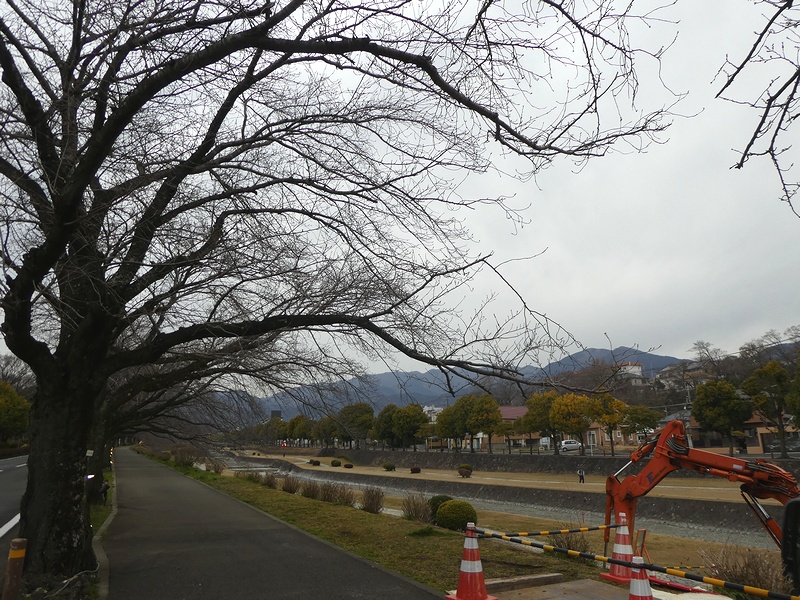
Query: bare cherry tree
{"type": "Point", "coordinates": [766, 76]}
{"type": "Point", "coordinates": [180, 174]}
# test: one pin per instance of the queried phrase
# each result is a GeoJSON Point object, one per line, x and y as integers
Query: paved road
{"type": "Point", "coordinates": [174, 538]}
{"type": "Point", "coordinates": [13, 477]}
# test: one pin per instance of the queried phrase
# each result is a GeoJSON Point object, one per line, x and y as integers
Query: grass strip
{"type": "Point", "coordinates": [426, 554]}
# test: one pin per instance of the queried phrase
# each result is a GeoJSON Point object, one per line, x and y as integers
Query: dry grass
{"type": "Point", "coordinates": [757, 568]}
{"type": "Point", "coordinates": [310, 489]}
{"type": "Point", "coordinates": [431, 555]}
{"type": "Point", "coordinates": [290, 485]}
{"type": "Point", "coordinates": [417, 508]}
{"type": "Point", "coordinates": [372, 500]}
{"type": "Point", "coordinates": [571, 541]}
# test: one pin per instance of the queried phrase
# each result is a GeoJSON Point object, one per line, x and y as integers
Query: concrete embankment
{"type": "Point", "coordinates": [689, 512]}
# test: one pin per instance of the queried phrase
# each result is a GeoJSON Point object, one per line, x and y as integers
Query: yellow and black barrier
{"type": "Point", "coordinates": [557, 531]}
{"type": "Point", "coordinates": [650, 567]}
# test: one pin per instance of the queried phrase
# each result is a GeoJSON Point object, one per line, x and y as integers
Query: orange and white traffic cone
{"type": "Point", "coordinates": [640, 583]}
{"type": "Point", "coordinates": [622, 551]}
{"type": "Point", "coordinates": [471, 585]}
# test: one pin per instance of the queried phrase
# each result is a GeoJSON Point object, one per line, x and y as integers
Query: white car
{"type": "Point", "coordinates": [567, 445]}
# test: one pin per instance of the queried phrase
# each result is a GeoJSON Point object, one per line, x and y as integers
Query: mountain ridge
{"type": "Point", "coordinates": [429, 388]}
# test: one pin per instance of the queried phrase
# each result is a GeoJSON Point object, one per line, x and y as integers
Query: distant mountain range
{"type": "Point", "coordinates": [430, 388]}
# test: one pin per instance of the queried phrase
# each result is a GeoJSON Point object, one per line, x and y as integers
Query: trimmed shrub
{"type": "Point", "coordinates": [388, 466]}
{"type": "Point", "coordinates": [465, 472]}
{"type": "Point", "coordinates": [314, 462]}
{"type": "Point", "coordinates": [336, 462]}
{"type": "Point", "coordinates": [455, 514]}
{"type": "Point", "coordinates": [434, 502]}
{"type": "Point", "coordinates": [269, 480]}
{"type": "Point", "coordinates": [290, 484]}
{"type": "Point", "coordinates": [416, 508]}
{"type": "Point", "coordinates": [348, 465]}
{"type": "Point", "coordinates": [311, 489]}
{"type": "Point", "coordinates": [416, 470]}
{"type": "Point", "coordinates": [372, 500]}
{"type": "Point", "coordinates": [466, 466]}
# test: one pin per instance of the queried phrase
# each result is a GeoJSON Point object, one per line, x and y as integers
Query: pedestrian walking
{"type": "Point", "coordinates": [581, 476]}
{"type": "Point", "coordinates": [104, 492]}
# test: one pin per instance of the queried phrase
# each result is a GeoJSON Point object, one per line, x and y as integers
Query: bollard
{"type": "Point", "coordinates": [16, 560]}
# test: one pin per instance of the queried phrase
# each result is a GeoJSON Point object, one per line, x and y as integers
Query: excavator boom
{"type": "Point", "coordinates": [668, 450]}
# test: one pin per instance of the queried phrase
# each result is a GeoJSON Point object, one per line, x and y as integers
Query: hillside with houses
{"type": "Point", "coordinates": [604, 399]}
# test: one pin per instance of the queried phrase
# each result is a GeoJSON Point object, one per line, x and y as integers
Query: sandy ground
{"type": "Point", "coordinates": [706, 488]}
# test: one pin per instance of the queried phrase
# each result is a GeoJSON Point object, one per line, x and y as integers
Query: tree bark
{"type": "Point", "coordinates": [55, 516]}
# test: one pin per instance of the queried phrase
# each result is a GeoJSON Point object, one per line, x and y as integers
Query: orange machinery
{"type": "Point", "coordinates": [668, 450]}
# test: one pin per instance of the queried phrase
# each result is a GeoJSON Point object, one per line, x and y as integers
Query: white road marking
{"type": "Point", "coordinates": [7, 527]}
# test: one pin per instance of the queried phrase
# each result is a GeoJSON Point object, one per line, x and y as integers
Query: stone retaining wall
{"type": "Point", "coordinates": [512, 463]}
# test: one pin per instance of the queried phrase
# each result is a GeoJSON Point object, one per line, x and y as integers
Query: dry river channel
{"type": "Point", "coordinates": [703, 508]}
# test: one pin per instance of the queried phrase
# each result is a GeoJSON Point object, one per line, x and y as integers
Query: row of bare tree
{"type": "Point", "coordinates": [199, 197]}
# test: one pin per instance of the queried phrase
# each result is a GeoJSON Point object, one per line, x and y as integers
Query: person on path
{"type": "Point", "coordinates": [581, 476]}
{"type": "Point", "coordinates": [104, 492]}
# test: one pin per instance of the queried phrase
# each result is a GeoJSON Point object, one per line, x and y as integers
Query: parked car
{"type": "Point", "coordinates": [567, 445]}
{"type": "Point", "coordinates": [792, 445]}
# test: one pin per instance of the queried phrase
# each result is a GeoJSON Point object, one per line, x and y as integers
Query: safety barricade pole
{"type": "Point", "coordinates": [650, 567]}
{"type": "Point", "coordinates": [557, 531]}
{"type": "Point", "coordinates": [13, 579]}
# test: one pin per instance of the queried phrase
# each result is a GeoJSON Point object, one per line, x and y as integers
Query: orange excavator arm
{"type": "Point", "coordinates": [669, 451]}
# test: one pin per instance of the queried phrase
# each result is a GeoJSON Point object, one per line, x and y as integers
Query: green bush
{"type": "Point", "coordinates": [336, 462]}
{"type": "Point", "coordinates": [455, 514]}
{"type": "Point", "coordinates": [436, 501]}
{"type": "Point", "coordinates": [388, 466]}
{"type": "Point", "coordinates": [465, 466]}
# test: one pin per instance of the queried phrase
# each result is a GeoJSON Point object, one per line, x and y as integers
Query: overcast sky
{"type": "Point", "coordinates": [662, 249]}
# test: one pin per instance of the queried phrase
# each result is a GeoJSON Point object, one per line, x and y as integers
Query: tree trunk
{"type": "Point", "coordinates": [55, 516]}
{"type": "Point", "coordinates": [611, 437]}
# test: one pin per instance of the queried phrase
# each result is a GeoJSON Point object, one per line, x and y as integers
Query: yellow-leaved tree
{"type": "Point", "coordinates": [574, 414]}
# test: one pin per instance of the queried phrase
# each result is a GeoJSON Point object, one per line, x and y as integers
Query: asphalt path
{"type": "Point", "coordinates": [13, 478]}
{"type": "Point", "coordinates": [174, 538]}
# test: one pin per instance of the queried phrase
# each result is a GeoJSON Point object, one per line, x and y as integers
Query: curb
{"type": "Point", "coordinates": [97, 545]}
